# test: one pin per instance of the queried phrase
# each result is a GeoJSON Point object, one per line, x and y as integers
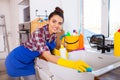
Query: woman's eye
{"type": "Point", "coordinates": [53, 21]}
{"type": "Point", "coordinates": [60, 23]}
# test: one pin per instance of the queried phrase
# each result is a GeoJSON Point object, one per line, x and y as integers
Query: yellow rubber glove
{"type": "Point", "coordinates": [78, 65]}
{"type": "Point", "coordinates": [56, 52]}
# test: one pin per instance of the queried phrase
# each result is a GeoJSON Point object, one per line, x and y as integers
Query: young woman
{"type": "Point", "coordinates": [20, 61]}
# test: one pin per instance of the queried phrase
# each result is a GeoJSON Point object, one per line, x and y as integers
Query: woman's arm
{"type": "Point", "coordinates": [78, 65]}
{"type": "Point", "coordinates": [49, 57]}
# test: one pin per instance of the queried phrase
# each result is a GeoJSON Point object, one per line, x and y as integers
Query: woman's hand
{"type": "Point", "coordinates": [36, 24]}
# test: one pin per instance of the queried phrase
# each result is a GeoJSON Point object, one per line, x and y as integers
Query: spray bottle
{"type": "Point", "coordinates": [63, 52]}
{"type": "Point", "coordinates": [117, 43]}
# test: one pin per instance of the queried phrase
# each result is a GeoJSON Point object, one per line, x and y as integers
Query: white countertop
{"type": "Point", "coordinates": [100, 63]}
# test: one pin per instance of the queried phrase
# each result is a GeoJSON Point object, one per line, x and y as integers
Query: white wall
{"type": "Point", "coordinates": [14, 28]}
{"type": "Point", "coordinates": [4, 10]}
{"type": "Point", "coordinates": [104, 17]}
{"type": "Point", "coordinates": [71, 11]}
{"type": "Point", "coordinates": [9, 9]}
{"type": "Point", "coordinates": [41, 6]}
{"type": "Point", "coordinates": [72, 14]}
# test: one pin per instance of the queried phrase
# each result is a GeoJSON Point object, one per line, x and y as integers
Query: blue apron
{"type": "Point", "coordinates": [20, 62]}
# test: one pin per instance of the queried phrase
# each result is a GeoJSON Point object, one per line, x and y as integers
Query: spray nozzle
{"type": "Point", "coordinates": [62, 46]}
{"type": "Point", "coordinates": [119, 30]}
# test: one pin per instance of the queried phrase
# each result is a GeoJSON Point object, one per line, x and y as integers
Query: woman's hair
{"type": "Point", "coordinates": [57, 11]}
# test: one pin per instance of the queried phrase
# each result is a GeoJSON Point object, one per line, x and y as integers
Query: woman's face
{"type": "Point", "coordinates": [55, 24]}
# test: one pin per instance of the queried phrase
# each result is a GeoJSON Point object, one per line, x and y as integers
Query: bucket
{"type": "Point", "coordinates": [71, 42]}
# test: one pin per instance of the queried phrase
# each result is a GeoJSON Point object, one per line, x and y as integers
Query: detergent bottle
{"type": "Point", "coordinates": [117, 43]}
{"type": "Point", "coordinates": [63, 52]}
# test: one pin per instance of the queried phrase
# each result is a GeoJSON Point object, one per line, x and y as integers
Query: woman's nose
{"type": "Point", "coordinates": [57, 24]}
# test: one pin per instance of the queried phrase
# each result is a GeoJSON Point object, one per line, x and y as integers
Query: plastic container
{"type": "Point", "coordinates": [71, 42]}
{"type": "Point", "coordinates": [74, 42]}
{"type": "Point", "coordinates": [117, 43]}
{"type": "Point", "coordinates": [63, 52]}
{"type": "Point", "coordinates": [81, 42]}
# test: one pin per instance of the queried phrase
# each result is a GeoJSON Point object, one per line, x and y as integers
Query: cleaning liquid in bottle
{"type": "Point", "coordinates": [63, 52]}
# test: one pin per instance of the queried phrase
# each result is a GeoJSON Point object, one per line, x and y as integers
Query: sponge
{"type": "Point", "coordinates": [87, 70]}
